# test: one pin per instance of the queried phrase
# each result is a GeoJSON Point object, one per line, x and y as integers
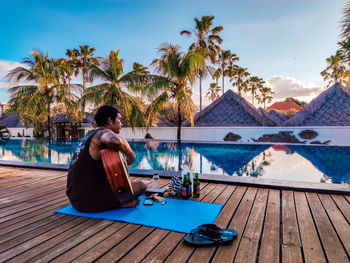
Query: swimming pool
{"type": "Point", "coordinates": [326, 164]}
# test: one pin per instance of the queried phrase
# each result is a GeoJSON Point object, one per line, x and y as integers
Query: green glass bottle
{"type": "Point", "coordinates": [196, 188]}
{"type": "Point", "coordinates": [189, 185]}
{"type": "Point", "coordinates": [184, 188]}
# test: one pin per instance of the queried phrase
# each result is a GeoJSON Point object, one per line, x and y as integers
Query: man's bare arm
{"type": "Point", "coordinates": [114, 141]}
{"type": "Point", "coordinates": [118, 143]}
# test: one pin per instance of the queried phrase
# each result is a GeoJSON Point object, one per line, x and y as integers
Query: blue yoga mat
{"type": "Point", "coordinates": [176, 215]}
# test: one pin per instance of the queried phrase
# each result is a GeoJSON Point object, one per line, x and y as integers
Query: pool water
{"type": "Point", "coordinates": [326, 164]}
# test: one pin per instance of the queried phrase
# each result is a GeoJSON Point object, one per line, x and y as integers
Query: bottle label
{"type": "Point", "coordinates": [183, 191]}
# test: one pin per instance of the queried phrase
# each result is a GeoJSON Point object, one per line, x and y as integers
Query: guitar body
{"type": "Point", "coordinates": [116, 171]}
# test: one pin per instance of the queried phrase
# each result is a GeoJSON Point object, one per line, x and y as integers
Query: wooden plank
{"type": "Point", "coordinates": [231, 202]}
{"type": "Point", "coordinates": [55, 222]}
{"type": "Point", "coordinates": [248, 247]}
{"type": "Point", "coordinates": [17, 181]}
{"type": "Point", "coordinates": [48, 254]}
{"type": "Point", "coordinates": [164, 248]}
{"type": "Point", "coordinates": [34, 227]}
{"type": "Point", "coordinates": [89, 243]}
{"type": "Point", "coordinates": [347, 197]}
{"type": "Point", "coordinates": [25, 190]}
{"type": "Point", "coordinates": [25, 246]}
{"type": "Point", "coordinates": [291, 254]}
{"type": "Point", "coordinates": [247, 250]}
{"type": "Point", "coordinates": [5, 202]}
{"type": "Point", "coordinates": [270, 244]}
{"type": "Point", "coordinates": [33, 183]}
{"type": "Point", "coordinates": [290, 230]}
{"type": "Point", "coordinates": [124, 247]}
{"type": "Point", "coordinates": [30, 203]}
{"type": "Point", "coordinates": [107, 244]}
{"type": "Point", "coordinates": [31, 210]}
{"type": "Point", "coordinates": [312, 248]}
{"type": "Point", "coordinates": [33, 252]}
{"type": "Point", "coordinates": [343, 205]}
{"type": "Point", "coordinates": [338, 221]}
{"type": "Point", "coordinates": [238, 222]}
{"type": "Point", "coordinates": [145, 246]}
{"type": "Point", "coordinates": [331, 243]}
{"type": "Point", "coordinates": [28, 219]}
{"type": "Point", "coordinates": [182, 252]}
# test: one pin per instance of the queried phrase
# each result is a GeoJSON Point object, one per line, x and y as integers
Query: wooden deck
{"type": "Point", "coordinates": [273, 226]}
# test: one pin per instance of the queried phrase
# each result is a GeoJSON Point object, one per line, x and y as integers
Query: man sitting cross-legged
{"type": "Point", "coordinates": [88, 188]}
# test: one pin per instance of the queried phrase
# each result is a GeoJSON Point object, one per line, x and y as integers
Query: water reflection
{"type": "Point", "coordinates": [298, 163]}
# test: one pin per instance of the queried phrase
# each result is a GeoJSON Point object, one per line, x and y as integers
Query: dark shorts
{"type": "Point", "coordinates": [104, 202]}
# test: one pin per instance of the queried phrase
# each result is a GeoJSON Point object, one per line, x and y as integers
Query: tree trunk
{"type": "Point", "coordinates": [48, 120]}
{"type": "Point", "coordinates": [178, 123]}
{"type": "Point", "coordinates": [200, 93]}
{"type": "Point", "coordinates": [223, 76]}
{"type": "Point", "coordinates": [83, 101]}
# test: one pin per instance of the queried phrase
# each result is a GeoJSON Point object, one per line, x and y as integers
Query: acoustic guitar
{"type": "Point", "coordinates": [116, 171]}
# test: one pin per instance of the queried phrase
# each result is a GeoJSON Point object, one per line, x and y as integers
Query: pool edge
{"type": "Point", "coordinates": [233, 180]}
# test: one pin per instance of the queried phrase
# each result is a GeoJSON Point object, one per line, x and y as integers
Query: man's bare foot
{"type": "Point", "coordinates": [131, 204]}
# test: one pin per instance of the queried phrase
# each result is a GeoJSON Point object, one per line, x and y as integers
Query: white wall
{"type": "Point", "coordinates": [15, 131]}
{"type": "Point", "coordinates": [337, 135]}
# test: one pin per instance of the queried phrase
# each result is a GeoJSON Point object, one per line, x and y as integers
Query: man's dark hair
{"type": "Point", "coordinates": [102, 114]}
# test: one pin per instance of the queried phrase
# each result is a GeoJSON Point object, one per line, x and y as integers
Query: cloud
{"type": "Point", "coordinates": [6, 66]}
{"type": "Point", "coordinates": [285, 87]}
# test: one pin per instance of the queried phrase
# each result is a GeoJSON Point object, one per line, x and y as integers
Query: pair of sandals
{"type": "Point", "coordinates": [210, 235]}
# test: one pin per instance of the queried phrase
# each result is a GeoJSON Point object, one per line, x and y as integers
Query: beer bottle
{"type": "Point", "coordinates": [184, 188]}
{"type": "Point", "coordinates": [189, 186]}
{"type": "Point", "coordinates": [196, 189]}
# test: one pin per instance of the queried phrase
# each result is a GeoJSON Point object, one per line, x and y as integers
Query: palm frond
{"type": "Point", "coordinates": [153, 109]}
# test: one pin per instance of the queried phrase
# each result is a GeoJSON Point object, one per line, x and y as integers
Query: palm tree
{"type": "Point", "coordinates": [83, 60]}
{"type": "Point", "coordinates": [345, 22]}
{"type": "Point", "coordinates": [213, 91]}
{"type": "Point", "coordinates": [225, 59]}
{"type": "Point", "coordinates": [110, 92]}
{"type": "Point", "coordinates": [207, 39]}
{"type": "Point", "coordinates": [177, 70]}
{"type": "Point", "coordinates": [266, 95]}
{"type": "Point", "coordinates": [255, 83]}
{"type": "Point", "coordinates": [28, 100]}
{"type": "Point", "coordinates": [238, 77]}
{"type": "Point", "coordinates": [335, 71]}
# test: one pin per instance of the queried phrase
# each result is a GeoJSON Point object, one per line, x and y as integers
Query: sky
{"type": "Point", "coordinates": [285, 42]}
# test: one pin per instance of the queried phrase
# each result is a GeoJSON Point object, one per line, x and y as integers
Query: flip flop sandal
{"type": "Point", "coordinates": [214, 230]}
{"type": "Point", "coordinates": [198, 239]}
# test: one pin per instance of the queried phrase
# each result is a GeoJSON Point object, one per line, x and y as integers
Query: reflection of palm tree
{"type": "Point", "coordinates": [153, 144]}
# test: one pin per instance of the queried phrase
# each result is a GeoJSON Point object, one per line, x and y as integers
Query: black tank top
{"type": "Point", "coordinates": [87, 184]}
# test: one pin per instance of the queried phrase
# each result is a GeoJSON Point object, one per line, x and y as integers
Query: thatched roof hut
{"type": "Point", "coordinates": [285, 106]}
{"type": "Point", "coordinates": [229, 110]}
{"type": "Point", "coordinates": [12, 120]}
{"type": "Point", "coordinates": [161, 121]}
{"type": "Point", "coordinates": [273, 115]}
{"type": "Point", "coordinates": [330, 108]}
